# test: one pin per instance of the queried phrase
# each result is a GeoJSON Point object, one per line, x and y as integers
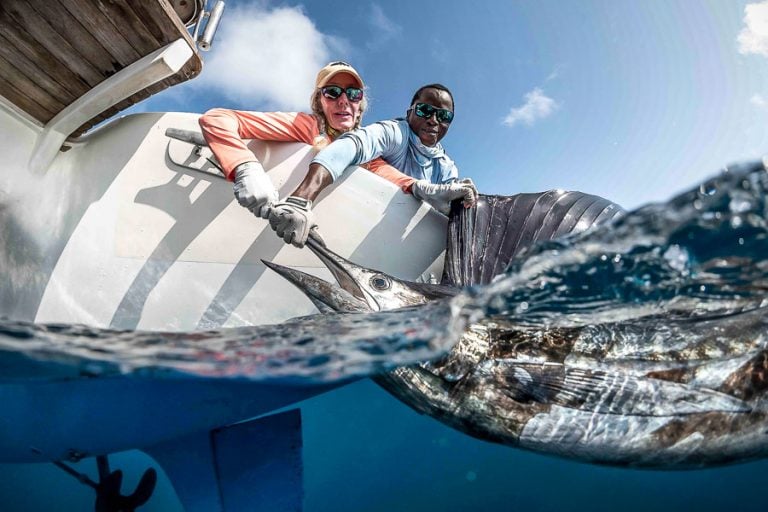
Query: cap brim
{"type": "Point", "coordinates": [348, 71]}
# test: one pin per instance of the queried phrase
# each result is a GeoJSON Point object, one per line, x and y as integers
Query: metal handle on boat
{"type": "Point", "coordinates": [190, 136]}
{"type": "Point", "coordinates": [214, 16]}
{"type": "Point", "coordinates": [194, 138]}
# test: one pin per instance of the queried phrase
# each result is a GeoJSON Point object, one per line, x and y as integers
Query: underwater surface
{"type": "Point", "coordinates": [663, 269]}
{"type": "Point", "coordinates": [365, 451]}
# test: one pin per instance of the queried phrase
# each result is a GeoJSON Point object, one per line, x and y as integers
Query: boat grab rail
{"type": "Point", "coordinates": [190, 136]}
{"type": "Point", "coordinates": [138, 76]}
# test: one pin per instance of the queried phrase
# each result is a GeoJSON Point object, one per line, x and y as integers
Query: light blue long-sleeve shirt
{"type": "Point", "coordinates": [396, 143]}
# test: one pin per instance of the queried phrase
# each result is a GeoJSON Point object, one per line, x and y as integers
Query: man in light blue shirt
{"type": "Point", "coordinates": [412, 145]}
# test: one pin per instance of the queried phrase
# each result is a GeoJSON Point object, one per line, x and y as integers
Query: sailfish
{"type": "Point", "coordinates": [668, 402]}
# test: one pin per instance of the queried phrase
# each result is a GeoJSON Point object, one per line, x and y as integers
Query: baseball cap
{"type": "Point", "coordinates": [334, 68]}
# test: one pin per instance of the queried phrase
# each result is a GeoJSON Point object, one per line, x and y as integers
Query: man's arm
{"type": "Point", "coordinates": [292, 218]}
{"type": "Point", "coordinates": [317, 178]}
{"type": "Point", "coordinates": [362, 145]}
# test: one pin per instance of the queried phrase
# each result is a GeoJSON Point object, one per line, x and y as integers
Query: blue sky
{"type": "Point", "coordinates": [634, 101]}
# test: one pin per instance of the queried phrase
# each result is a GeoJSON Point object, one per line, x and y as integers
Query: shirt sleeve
{"type": "Point", "coordinates": [362, 145]}
{"type": "Point", "coordinates": [225, 131]}
{"type": "Point", "coordinates": [390, 173]}
{"type": "Point", "coordinates": [449, 173]}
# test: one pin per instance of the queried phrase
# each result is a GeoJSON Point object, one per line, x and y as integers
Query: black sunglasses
{"type": "Point", "coordinates": [426, 111]}
{"type": "Point", "coordinates": [332, 92]}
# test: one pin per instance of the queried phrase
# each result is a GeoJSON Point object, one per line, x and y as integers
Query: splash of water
{"type": "Point", "coordinates": [700, 255]}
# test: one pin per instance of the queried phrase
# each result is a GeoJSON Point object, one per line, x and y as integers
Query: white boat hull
{"type": "Point", "coordinates": [115, 234]}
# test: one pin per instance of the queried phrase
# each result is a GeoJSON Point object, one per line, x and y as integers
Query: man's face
{"type": "Point", "coordinates": [430, 130]}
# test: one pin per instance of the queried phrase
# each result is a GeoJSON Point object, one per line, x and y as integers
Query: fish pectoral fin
{"type": "Point", "coordinates": [606, 392]}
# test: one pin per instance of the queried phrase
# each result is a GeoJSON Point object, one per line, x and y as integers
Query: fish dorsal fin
{"type": "Point", "coordinates": [604, 392]}
{"type": "Point", "coordinates": [483, 240]}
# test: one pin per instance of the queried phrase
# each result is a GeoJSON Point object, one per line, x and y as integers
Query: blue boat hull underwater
{"type": "Point", "coordinates": [132, 319]}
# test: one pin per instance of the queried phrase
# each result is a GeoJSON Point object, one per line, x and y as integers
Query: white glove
{"type": "Point", "coordinates": [468, 183]}
{"type": "Point", "coordinates": [253, 188]}
{"type": "Point", "coordinates": [292, 220]}
{"type": "Point", "coordinates": [439, 196]}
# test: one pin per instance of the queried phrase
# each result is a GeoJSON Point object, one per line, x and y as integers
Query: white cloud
{"type": "Point", "coordinates": [384, 29]}
{"type": "Point", "coordinates": [537, 106]}
{"type": "Point", "coordinates": [268, 58]}
{"type": "Point", "coordinates": [758, 101]}
{"type": "Point", "coordinates": [555, 74]}
{"type": "Point", "coordinates": [753, 38]}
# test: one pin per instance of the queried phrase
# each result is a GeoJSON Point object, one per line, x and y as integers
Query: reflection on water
{"type": "Point", "coordinates": [318, 348]}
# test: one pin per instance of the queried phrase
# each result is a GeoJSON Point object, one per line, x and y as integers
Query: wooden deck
{"type": "Point", "coordinates": [54, 51]}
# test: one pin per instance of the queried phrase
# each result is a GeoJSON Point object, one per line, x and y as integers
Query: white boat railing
{"type": "Point", "coordinates": [148, 70]}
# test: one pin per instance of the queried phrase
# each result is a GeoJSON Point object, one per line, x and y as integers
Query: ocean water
{"type": "Point", "coordinates": [365, 451]}
{"type": "Point", "coordinates": [700, 257]}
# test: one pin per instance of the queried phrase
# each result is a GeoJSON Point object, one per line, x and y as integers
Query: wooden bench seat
{"type": "Point", "coordinates": [54, 51]}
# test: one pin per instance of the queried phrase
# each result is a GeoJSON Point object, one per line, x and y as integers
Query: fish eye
{"type": "Point", "coordinates": [381, 282]}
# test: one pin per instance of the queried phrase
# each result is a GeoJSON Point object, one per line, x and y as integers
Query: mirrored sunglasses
{"type": "Point", "coordinates": [426, 111]}
{"type": "Point", "coordinates": [332, 92]}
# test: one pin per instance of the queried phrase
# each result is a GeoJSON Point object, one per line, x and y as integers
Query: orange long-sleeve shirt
{"type": "Point", "coordinates": [224, 130]}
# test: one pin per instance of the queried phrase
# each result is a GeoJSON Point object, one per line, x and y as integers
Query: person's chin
{"type": "Point", "coordinates": [344, 126]}
{"type": "Point", "coordinates": [429, 137]}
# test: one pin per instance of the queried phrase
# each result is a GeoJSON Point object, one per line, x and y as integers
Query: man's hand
{"type": "Point", "coordinates": [292, 220]}
{"type": "Point", "coordinates": [469, 184]}
{"type": "Point", "coordinates": [253, 188]}
{"type": "Point", "coordinates": [439, 196]}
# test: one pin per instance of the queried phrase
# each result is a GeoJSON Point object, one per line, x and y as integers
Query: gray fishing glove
{"type": "Point", "coordinates": [468, 183]}
{"type": "Point", "coordinates": [439, 196]}
{"type": "Point", "coordinates": [292, 220]}
{"type": "Point", "coordinates": [253, 188]}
